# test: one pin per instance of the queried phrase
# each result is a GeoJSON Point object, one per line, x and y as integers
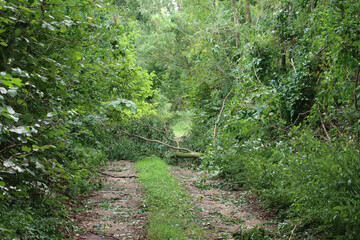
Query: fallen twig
{"type": "Point", "coordinates": [106, 174]}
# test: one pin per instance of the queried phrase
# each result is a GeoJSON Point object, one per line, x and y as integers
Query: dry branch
{"type": "Point", "coordinates": [156, 141]}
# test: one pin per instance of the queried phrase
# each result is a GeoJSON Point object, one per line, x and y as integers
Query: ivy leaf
{"type": "Point", "coordinates": [18, 81]}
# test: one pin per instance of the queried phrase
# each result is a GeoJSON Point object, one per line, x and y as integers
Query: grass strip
{"type": "Point", "coordinates": [171, 208]}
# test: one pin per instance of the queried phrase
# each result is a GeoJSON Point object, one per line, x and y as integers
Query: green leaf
{"type": "Point", "coordinates": [17, 31]}
{"type": "Point", "coordinates": [356, 44]}
{"type": "Point", "coordinates": [35, 147]}
{"type": "Point", "coordinates": [18, 81]}
{"type": "Point", "coordinates": [63, 29]}
{"type": "Point", "coordinates": [26, 149]}
{"type": "Point", "coordinates": [7, 83]}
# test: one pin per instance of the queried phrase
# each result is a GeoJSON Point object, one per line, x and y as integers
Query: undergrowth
{"type": "Point", "coordinates": [40, 207]}
{"type": "Point", "coordinates": [312, 186]}
{"type": "Point", "coordinates": [171, 208]}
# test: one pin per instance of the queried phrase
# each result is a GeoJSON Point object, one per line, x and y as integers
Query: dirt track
{"type": "Point", "coordinates": [115, 212]}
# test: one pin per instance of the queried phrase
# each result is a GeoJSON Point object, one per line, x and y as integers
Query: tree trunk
{"type": "Point", "coordinates": [236, 23]}
{"type": "Point", "coordinates": [248, 12]}
{"type": "Point", "coordinates": [215, 3]}
{"type": "Point", "coordinates": [283, 60]}
{"type": "Point", "coordinates": [188, 155]}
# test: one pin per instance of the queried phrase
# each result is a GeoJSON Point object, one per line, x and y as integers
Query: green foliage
{"type": "Point", "coordinates": [68, 78]}
{"type": "Point", "coordinates": [255, 234]}
{"type": "Point", "coordinates": [304, 179]}
{"type": "Point", "coordinates": [171, 208]}
{"type": "Point", "coordinates": [38, 219]}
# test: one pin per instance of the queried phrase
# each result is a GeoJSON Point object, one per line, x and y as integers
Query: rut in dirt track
{"type": "Point", "coordinates": [222, 212]}
{"type": "Point", "coordinates": [115, 212]}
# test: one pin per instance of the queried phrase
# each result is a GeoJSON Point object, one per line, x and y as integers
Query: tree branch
{"type": "Point", "coordinates": [221, 70]}
{"type": "Point", "coordinates": [155, 141]}
{"type": "Point", "coordinates": [218, 118]}
{"type": "Point", "coordinates": [160, 131]}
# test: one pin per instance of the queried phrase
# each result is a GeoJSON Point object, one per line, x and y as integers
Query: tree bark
{"type": "Point", "coordinates": [248, 12]}
{"type": "Point", "coordinates": [188, 155]}
{"type": "Point", "coordinates": [215, 3]}
{"type": "Point", "coordinates": [283, 60]}
{"type": "Point", "coordinates": [236, 23]}
{"type": "Point", "coordinates": [356, 101]}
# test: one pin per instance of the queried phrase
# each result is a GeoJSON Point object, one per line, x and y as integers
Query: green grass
{"type": "Point", "coordinates": [171, 208]}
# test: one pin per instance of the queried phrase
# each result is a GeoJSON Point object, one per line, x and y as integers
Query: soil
{"type": "Point", "coordinates": [114, 212]}
{"type": "Point", "coordinates": [222, 212]}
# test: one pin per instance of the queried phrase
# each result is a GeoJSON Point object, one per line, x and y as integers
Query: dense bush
{"type": "Point", "coordinates": [304, 179]}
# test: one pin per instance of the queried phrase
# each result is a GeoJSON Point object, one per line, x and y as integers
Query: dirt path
{"type": "Point", "coordinates": [222, 212]}
{"type": "Point", "coordinates": [115, 212]}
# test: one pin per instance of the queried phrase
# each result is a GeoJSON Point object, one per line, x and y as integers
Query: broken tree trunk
{"type": "Point", "coordinates": [188, 155]}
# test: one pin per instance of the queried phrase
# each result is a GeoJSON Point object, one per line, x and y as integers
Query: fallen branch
{"type": "Point", "coordinates": [156, 141]}
{"type": "Point", "coordinates": [292, 232]}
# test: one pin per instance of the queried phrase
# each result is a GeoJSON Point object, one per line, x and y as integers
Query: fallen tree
{"type": "Point", "coordinates": [189, 153]}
